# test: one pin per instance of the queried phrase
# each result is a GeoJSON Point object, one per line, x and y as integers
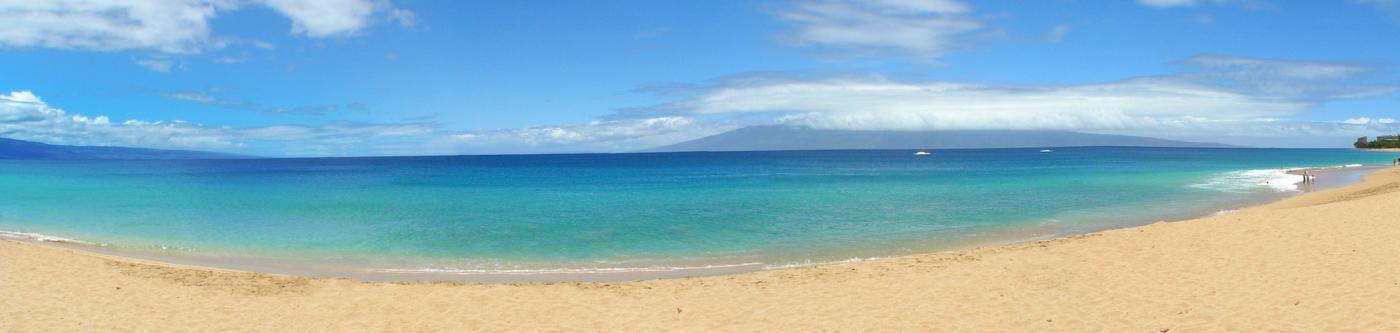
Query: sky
{"type": "Point", "coordinates": [405, 77]}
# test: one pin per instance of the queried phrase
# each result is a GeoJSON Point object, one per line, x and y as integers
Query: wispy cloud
{"type": "Point", "coordinates": [244, 105]}
{"type": "Point", "coordinates": [1389, 8]}
{"type": "Point", "coordinates": [1246, 4]}
{"type": "Point", "coordinates": [596, 136]}
{"type": "Point", "coordinates": [1204, 19]}
{"type": "Point", "coordinates": [1169, 3]}
{"type": "Point", "coordinates": [157, 65]}
{"type": "Point", "coordinates": [1057, 33]}
{"type": "Point", "coordinates": [922, 29]}
{"type": "Point", "coordinates": [227, 60]}
{"type": "Point", "coordinates": [652, 33]}
{"type": "Point", "coordinates": [1287, 79]}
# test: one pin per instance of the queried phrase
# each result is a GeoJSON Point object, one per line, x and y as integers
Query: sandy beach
{"type": "Point", "coordinates": [1324, 261]}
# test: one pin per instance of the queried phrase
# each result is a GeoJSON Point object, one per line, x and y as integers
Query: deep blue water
{"type": "Point", "coordinates": [630, 210]}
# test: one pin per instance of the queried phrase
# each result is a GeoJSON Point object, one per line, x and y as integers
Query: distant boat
{"type": "Point", "coordinates": [1046, 151]}
{"type": "Point", "coordinates": [920, 153]}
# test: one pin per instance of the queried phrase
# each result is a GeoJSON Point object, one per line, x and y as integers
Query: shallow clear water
{"type": "Point", "coordinates": [630, 210]}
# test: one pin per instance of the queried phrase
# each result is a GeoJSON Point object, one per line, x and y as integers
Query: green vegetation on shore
{"type": "Point", "coordinates": [1381, 142]}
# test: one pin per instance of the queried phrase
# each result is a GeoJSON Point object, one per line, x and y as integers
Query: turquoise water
{"type": "Point", "coordinates": [605, 211]}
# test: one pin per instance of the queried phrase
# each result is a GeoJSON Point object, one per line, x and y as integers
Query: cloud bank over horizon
{"type": "Point", "coordinates": [1233, 100]}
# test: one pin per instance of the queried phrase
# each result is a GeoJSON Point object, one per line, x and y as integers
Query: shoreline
{"type": "Point", "coordinates": [1322, 261]}
{"type": "Point", "coordinates": [1328, 178]}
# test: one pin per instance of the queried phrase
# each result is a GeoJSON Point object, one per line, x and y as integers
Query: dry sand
{"type": "Point", "coordinates": [1322, 262]}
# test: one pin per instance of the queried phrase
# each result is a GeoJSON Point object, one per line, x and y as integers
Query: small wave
{"type": "Point", "coordinates": [807, 263]}
{"type": "Point", "coordinates": [38, 237]}
{"type": "Point", "coordinates": [1252, 180]}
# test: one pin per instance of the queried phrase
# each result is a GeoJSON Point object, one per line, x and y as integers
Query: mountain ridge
{"type": "Point", "coordinates": [13, 149]}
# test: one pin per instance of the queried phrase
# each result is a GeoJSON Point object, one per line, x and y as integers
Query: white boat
{"type": "Point", "coordinates": [1046, 151]}
{"type": "Point", "coordinates": [920, 153]}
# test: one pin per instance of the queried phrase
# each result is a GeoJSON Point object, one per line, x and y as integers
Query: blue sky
{"type": "Point", "coordinates": [375, 77]}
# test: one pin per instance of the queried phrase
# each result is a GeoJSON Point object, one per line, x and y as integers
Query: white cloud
{"type": "Point", "coordinates": [923, 29]}
{"type": "Point", "coordinates": [25, 116]}
{"type": "Point", "coordinates": [170, 26]}
{"type": "Point", "coordinates": [404, 17]}
{"type": "Point", "coordinates": [328, 18]}
{"type": "Point", "coordinates": [166, 26]}
{"type": "Point", "coordinates": [874, 102]}
{"type": "Point", "coordinates": [1369, 121]}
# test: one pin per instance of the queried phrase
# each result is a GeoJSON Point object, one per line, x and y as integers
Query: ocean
{"type": "Point", "coordinates": [653, 212]}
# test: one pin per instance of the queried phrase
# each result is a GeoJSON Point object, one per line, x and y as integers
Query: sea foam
{"type": "Point", "coordinates": [37, 237]}
{"type": "Point", "coordinates": [1251, 180]}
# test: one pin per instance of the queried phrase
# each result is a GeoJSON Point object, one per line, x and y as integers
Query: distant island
{"type": "Point", "coordinates": [12, 149]}
{"type": "Point", "coordinates": [1381, 142]}
{"type": "Point", "coordinates": [769, 138]}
